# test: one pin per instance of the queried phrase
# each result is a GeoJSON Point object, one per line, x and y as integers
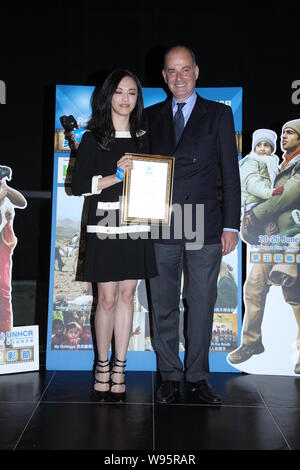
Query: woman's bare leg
{"type": "Point", "coordinates": [122, 328]}
{"type": "Point", "coordinates": [104, 324]}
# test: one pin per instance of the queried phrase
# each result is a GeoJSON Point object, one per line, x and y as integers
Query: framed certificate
{"type": "Point", "coordinates": [147, 190]}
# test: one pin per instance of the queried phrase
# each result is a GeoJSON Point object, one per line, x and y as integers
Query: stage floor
{"type": "Point", "coordinates": [50, 410]}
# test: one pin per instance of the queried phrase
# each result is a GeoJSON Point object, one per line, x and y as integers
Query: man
{"type": "Point", "coordinates": [200, 135]}
{"type": "Point", "coordinates": [278, 211]}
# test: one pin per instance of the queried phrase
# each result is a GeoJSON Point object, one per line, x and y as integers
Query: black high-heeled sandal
{"type": "Point", "coordinates": [117, 396]}
{"type": "Point", "coordinates": [101, 395]}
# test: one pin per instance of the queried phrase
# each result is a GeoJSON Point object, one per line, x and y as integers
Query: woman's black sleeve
{"type": "Point", "coordinates": [84, 170]}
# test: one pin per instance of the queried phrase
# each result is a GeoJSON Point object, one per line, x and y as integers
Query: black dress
{"type": "Point", "coordinates": [114, 256]}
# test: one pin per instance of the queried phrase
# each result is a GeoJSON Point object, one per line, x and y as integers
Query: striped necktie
{"type": "Point", "coordinates": [178, 122]}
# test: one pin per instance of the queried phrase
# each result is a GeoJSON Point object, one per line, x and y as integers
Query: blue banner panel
{"type": "Point", "coordinates": [71, 301]}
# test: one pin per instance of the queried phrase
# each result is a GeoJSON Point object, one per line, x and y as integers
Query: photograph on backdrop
{"type": "Point", "coordinates": [10, 199]}
{"type": "Point", "coordinates": [19, 345]}
{"type": "Point", "coordinates": [270, 226]}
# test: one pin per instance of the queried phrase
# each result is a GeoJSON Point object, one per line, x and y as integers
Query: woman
{"type": "Point", "coordinates": [115, 258]}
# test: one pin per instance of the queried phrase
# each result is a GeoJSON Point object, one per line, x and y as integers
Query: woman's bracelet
{"type": "Point", "coordinates": [120, 173]}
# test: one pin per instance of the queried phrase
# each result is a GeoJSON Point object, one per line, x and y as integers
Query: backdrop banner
{"type": "Point", "coordinates": [72, 302]}
{"type": "Point", "coordinates": [19, 346]}
{"type": "Point", "coordinates": [270, 180]}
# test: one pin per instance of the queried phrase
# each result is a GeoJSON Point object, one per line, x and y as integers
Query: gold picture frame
{"type": "Point", "coordinates": [147, 190]}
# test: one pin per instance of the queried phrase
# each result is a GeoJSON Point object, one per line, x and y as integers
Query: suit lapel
{"type": "Point", "coordinates": [165, 129]}
{"type": "Point", "coordinates": [199, 111]}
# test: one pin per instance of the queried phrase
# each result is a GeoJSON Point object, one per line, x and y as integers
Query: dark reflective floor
{"type": "Point", "coordinates": [55, 410]}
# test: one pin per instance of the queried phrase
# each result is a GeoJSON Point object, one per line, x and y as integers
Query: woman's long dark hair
{"type": "Point", "coordinates": [101, 121]}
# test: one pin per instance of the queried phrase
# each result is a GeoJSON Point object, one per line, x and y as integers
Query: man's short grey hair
{"type": "Point", "coordinates": [180, 46]}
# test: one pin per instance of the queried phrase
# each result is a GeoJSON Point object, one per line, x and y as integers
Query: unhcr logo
{"type": "Point", "coordinates": [2, 92]}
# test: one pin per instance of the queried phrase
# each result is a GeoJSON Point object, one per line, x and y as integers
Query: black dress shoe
{"type": "Point", "coordinates": [204, 392]}
{"type": "Point", "coordinates": [167, 391]}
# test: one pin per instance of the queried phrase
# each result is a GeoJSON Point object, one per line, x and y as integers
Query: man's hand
{"type": "Point", "coordinates": [229, 241]}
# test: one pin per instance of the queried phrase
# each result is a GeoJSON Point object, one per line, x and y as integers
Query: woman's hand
{"type": "Point", "coordinates": [125, 163]}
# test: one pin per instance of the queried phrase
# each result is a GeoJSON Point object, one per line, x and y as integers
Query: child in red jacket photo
{"type": "Point", "coordinates": [9, 199]}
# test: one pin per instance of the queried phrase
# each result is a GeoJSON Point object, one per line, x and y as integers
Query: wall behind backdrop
{"type": "Point", "coordinates": [66, 44]}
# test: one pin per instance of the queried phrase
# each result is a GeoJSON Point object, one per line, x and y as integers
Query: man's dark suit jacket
{"type": "Point", "coordinates": [207, 142]}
